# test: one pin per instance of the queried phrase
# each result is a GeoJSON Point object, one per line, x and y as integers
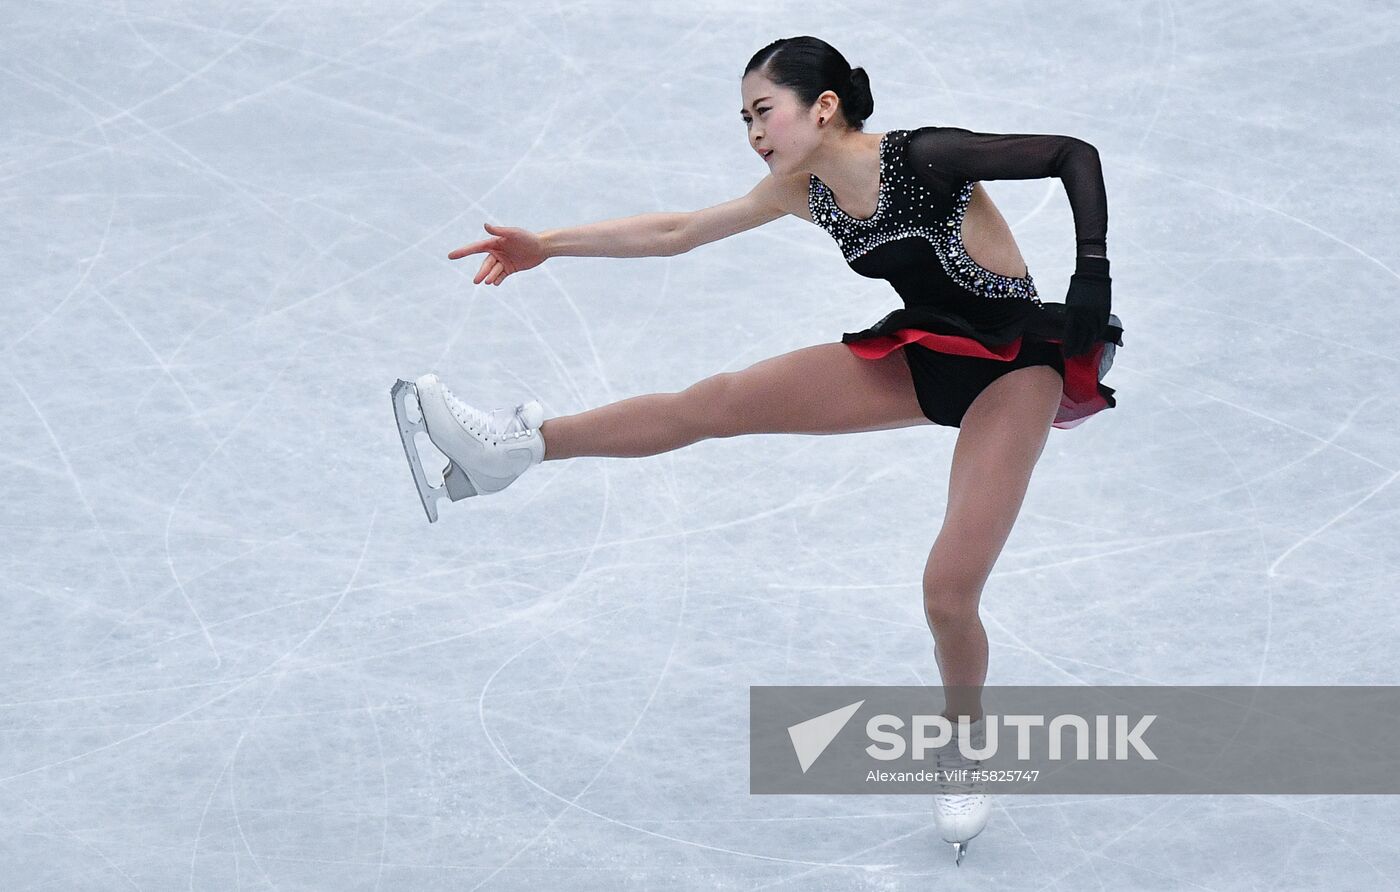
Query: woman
{"type": "Point", "coordinates": [973, 348]}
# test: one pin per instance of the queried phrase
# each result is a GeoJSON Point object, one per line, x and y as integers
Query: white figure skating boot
{"type": "Point", "coordinates": [961, 807]}
{"type": "Point", "coordinates": [486, 451]}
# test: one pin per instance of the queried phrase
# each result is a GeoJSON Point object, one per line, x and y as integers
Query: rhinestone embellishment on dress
{"type": "Point", "coordinates": [902, 211]}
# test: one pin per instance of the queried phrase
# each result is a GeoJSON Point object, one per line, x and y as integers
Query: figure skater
{"type": "Point", "coordinates": [972, 348]}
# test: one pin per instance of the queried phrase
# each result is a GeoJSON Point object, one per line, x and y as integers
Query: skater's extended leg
{"type": "Point", "coordinates": [999, 442]}
{"type": "Point", "coordinates": [823, 389]}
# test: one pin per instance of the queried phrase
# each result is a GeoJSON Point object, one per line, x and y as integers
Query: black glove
{"type": "Point", "coordinates": [1086, 305]}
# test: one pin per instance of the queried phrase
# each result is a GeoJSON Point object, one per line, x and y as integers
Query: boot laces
{"type": "Point", "coordinates": [957, 794]}
{"type": "Point", "coordinates": [504, 423]}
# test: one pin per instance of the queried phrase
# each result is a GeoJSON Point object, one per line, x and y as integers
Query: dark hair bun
{"type": "Point", "coordinates": [858, 100]}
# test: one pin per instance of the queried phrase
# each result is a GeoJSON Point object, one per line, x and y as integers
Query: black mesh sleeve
{"type": "Point", "coordinates": [945, 158]}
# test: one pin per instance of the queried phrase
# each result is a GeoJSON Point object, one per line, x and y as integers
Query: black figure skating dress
{"type": "Point", "coordinates": [962, 326]}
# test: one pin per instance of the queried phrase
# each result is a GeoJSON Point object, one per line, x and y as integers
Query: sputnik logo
{"type": "Point", "coordinates": [811, 738]}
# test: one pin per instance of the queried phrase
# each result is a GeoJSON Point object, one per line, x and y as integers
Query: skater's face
{"type": "Point", "coordinates": [776, 119]}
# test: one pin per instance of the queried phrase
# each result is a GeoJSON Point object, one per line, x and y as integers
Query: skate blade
{"type": "Point", "coordinates": [402, 393]}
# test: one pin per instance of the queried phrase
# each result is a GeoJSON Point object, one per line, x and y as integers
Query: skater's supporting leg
{"type": "Point", "coordinates": [1001, 438]}
{"type": "Point", "coordinates": [823, 389]}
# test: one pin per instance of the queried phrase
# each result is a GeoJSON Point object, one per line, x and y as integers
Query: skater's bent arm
{"type": "Point", "coordinates": [947, 157]}
{"type": "Point", "coordinates": [645, 235]}
{"type": "Point", "coordinates": [761, 205]}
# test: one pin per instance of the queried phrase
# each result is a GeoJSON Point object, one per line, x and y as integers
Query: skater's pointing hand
{"type": "Point", "coordinates": [510, 250]}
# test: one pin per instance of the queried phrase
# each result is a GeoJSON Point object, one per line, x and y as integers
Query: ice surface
{"type": "Point", "coordinates": [236, 653]}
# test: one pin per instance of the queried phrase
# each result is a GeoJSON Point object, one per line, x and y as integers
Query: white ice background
{"type": "Point", "coordinates": [236, 655]}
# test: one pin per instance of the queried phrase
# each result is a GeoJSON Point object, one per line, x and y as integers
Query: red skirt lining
{"type": "Point", "coordinates": [1083, 395]}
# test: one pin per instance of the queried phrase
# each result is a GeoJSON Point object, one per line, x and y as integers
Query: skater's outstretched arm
{"type": "Point", "coordinates": [512, 250]}
{"type": "Point", "coordinates": [762, 204]}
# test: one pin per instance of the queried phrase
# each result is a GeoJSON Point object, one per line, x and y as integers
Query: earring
{"type": "Point", "coordinates": [821, 121]}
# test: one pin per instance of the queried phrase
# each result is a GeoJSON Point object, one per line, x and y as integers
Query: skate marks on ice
{"type": "Point", "coordinates": [222, 186]}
